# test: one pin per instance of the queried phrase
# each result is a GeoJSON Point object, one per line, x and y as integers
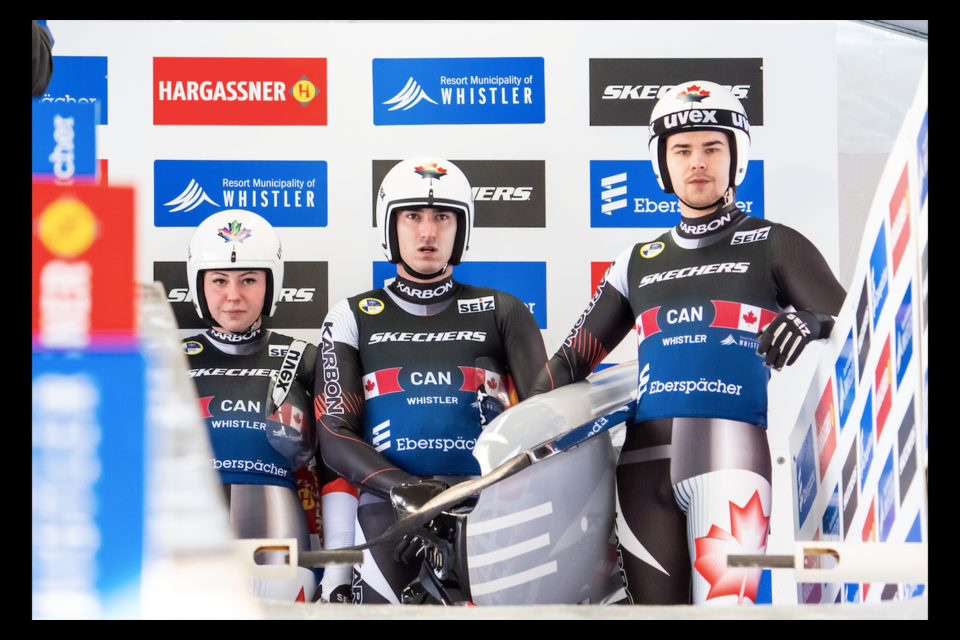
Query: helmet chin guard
{"type": "Point", "coordinates": [234, 239]}
{"type": "Point", "coordinates": [699, 105]}
{"type": "Point", "coordinates": [424, 182]}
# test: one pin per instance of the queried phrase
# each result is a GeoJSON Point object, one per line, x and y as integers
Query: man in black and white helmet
{"type": "Point", "coordinates": [410, 373]}
{"type": "Point", "coordinates": [717, 302]}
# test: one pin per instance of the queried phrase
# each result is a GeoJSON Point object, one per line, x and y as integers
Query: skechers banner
{"type": "Point", "coordinates": [458, 91]}
{"type": "Point", "coordinates": [525, 280]}
{"type": "Point", "coordinates": [288, 193]}
{"type": "Point", "coordinates": [506, 193]}
{"type": "Point", "coordinates": [623, 92]}
{"type": "Point", "coordinates": [625, 193]}
{"type": "Point", "coordinates": [302, 305]}
{"type": "Point", "coordinates": [240, 91]}
{"type": "Point", "coordinates": [80, 79]}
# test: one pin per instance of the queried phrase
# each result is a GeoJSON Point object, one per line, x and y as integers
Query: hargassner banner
{"type": "Point", "coordinates": [859, 442]}
{"type": "Point", "coordinates": [458, 91]}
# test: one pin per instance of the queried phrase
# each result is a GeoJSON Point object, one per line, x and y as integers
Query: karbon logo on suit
{"type": "Point", "coordinates": [240, 91]}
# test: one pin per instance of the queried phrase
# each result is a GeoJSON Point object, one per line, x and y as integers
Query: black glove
{"type": "Point", "coordinates": [408, 498]}
{"type": "Point", "coordinates": [784, 339]}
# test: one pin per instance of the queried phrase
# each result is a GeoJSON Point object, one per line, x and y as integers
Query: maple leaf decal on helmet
{"type": "Point", "coordinates": [693, 94]}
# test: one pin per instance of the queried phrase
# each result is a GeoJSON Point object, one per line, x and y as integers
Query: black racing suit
{"type": "Point", "coordinates": [406, 378]}
{"type": "Point", "coordinates": [697, 296]}
{"type": "Point", "coordinates": [233, 374]}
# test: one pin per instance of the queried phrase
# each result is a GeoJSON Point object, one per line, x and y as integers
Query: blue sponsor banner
{"type": "Point", "coordinates": [851, 592]}
{"type": "Point", "coordinates": [903, 329]}
{"type": "Point", "coordinates": [458, 91]}
{"type": "Point", "coordinates": [831, 517]}
{"type": "Point", "coordinates": [846, 379]}
{"type": "Point", "coordinates": [64, 141]}
{"type": "Point", "coordinates": [866, 439]}
{"type": "Point", "coordinates": [525, 280]}
{"type": "Point", "coordinates": [288, 193]}
{"type": "Point", "coordinates": [765, 588]}
{"type": "Point", "coordinates": [88, 413]}
{"type": "Point", "coordinates": [887, 498]}
{"type": "Point", "coordinates": [79, 79]}
{"type": "Point", "coordinates": [806, 476]}
{"type": "Point", "coordinates": [922, 158]}
{"type": "Point", "coordinates": [625, 193]}
{"type": "Point", "coordinates": [879, 275]}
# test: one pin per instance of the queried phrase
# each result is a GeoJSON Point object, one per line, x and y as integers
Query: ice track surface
{"type": "Point", "coordinates": [913, 609]}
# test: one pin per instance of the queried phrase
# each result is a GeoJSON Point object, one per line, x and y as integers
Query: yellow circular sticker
{"type": "Point", "coordinates": [652, 250]}
{"type": "Point", "coordinates": [371, 306]}
{"type": "Point", "coordinates": [192, 347]}
{"type": "Point", "coordinates": [67, 227]}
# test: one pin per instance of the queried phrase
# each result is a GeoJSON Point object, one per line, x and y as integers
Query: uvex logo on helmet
{"type": "Point", "coordinates": [699, 106]}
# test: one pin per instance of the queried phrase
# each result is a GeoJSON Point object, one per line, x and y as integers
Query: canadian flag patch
{"type": "Point", "coordinates": [381, 382]}
{"type": "Point", "coordinates": [737, 315]}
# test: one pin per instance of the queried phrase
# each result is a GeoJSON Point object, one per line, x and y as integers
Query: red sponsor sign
{"type": "Point", "coordinates": [826, 428]}
{"type": "Point", "coordinates": [240, 91]}
{"type": "Point", "coordinates": [597, 271]}
{"type": "Point", "coordinates": [883, 389]}
{"type": "Point", "coordinates": [900, 219]}
{"type": "Point", "coordinates": [869, 535]}
{"type": "Point", "coordinates": [83, 264]}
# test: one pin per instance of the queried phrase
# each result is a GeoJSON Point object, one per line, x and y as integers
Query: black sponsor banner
{"type": "Point", "coordinates": [623, 91]}
{"type": "Point", "coordinates": [907, 438]}
{"type": "Point", "coordinates": [849, 488]}
{"type": "Point", "coordinates": [507, 193]}
{"type": "Point", "coordinates": [303, 297]}
{"type": "Point", "coordinates": [863, 329]}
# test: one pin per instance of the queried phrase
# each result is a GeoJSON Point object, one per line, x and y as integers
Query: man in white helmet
{"type": "Point", "coordinates": [410, 373]}
{"type": "Point", "coordinates": [709, 300]}
{"type": "Point", "coordinates": [260, 422]}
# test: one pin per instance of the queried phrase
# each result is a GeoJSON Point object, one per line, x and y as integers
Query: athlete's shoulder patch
{"type": "Point", "coordinates": [486, 303]}
{"type": "Point", "coordinates": [652, 249]}
{"type": "Point", "coordinates": [371, 306]}
{"type": "Point", "coordinates": [192, 347]}
{"type": "Point", "coordinates": [277, 350]}
{"type": "Point", "coordinates": [755, 235]}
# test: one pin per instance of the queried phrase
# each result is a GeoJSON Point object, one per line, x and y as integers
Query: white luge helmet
{"type": "Point", "coordinates": [424, 182]}
{"type": "Point", "coordinates": [699, 105]}
{"type": "Point", "coordinates": [234, 239]}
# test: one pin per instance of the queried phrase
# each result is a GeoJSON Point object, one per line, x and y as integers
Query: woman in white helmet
{"type": "Point", "coordinates": [709, 299]}
{"type": "Point", "coordinates": [410, 373]}
{"type": "Point", "coordinates": [259, 417]}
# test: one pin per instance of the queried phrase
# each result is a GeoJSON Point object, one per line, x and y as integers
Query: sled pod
{"type": "Point", "coordinates": [546, 534]}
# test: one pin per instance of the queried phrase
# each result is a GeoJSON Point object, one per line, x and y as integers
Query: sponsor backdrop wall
{"type": "Point", "coordinates": [859, 444]}
{"type": "Point", "coordinates": [299, 121]}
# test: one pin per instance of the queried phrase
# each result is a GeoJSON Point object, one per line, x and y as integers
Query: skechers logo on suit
{"type": "Point", "coordinates": [686, 272]}
{"type": "Point", "coordinates": [449, 336]}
